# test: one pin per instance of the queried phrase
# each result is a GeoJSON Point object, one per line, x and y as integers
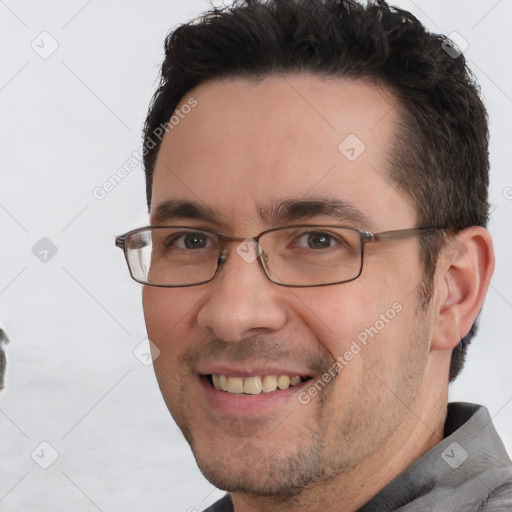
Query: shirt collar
{"type": "Point", "coordinates": [470, 449]}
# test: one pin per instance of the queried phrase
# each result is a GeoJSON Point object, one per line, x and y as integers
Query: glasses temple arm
{"type": "Point", "coordinates": [400, 234]}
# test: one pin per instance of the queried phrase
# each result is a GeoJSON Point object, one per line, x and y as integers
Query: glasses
{"type": "Point", "coordinates": [293, 256]}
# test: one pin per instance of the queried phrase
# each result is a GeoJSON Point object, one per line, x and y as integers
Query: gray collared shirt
{"type": "Point", "coordinates": [469, 471]}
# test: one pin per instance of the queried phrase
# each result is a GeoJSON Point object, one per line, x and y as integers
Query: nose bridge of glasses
{"type": "Point", "coordinates": [248, 248]}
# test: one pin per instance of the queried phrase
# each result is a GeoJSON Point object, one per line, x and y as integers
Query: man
{"type": "Point", "coordinates": [304, 138]}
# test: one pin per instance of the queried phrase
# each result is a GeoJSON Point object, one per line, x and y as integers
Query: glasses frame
{"type": "Point", "coordinates": [366, 237]}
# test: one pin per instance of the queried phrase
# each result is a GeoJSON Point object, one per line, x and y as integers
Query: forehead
{"type": "Point", "coordinates": [245, 143]}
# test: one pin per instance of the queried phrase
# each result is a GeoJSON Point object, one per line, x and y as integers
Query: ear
{"type": "Point", "coordinates": [464, 270]}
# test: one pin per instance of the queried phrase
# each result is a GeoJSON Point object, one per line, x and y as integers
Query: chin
{"type": "Point", "coordinates": [247, 470]}
{"type": "Point", "coordinates": [252, 481]}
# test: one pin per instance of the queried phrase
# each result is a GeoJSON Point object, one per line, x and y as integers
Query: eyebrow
{"type": "Point", "coordinates": [274, 213]}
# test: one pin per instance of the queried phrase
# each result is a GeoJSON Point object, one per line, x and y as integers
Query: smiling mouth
{"type": "Point", "coordinates": [254, 385]}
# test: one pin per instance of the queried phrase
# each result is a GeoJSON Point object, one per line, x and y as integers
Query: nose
{"type": "Point", "coordinates": [242, 301]}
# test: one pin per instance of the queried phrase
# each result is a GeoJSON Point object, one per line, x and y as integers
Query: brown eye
{"type": "Point", "coordinates": [317, 240]}
{"type": "Point", "coordinates": [190, 241]}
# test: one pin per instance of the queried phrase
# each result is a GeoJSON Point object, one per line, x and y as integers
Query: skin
{"type": "Point", "coordinates": [242, 145]}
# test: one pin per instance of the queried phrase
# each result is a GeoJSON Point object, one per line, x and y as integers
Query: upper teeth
{"type": "Point", "coordinates": [254, 385]}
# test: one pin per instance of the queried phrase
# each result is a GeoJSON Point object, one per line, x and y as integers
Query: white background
{"type": "Point", "coordinates": [68, 123]}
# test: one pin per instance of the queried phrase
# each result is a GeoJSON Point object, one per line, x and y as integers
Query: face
{"type": "Point", "coordinates": [360, 348]}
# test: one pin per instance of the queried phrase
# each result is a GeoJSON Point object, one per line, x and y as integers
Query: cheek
{"type": "Point", "coordinates": [168, 313]}
{"type": "Point", "coordinates": [336, 315]}
{"type": "Point", "coordinates": [359, 321]}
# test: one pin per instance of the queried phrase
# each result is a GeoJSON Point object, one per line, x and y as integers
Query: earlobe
{"type": "Point", "coordinates": [464, 270]}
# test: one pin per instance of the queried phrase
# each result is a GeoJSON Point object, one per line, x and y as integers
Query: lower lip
{"type": "Point", "coordinates": [230, 403]}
